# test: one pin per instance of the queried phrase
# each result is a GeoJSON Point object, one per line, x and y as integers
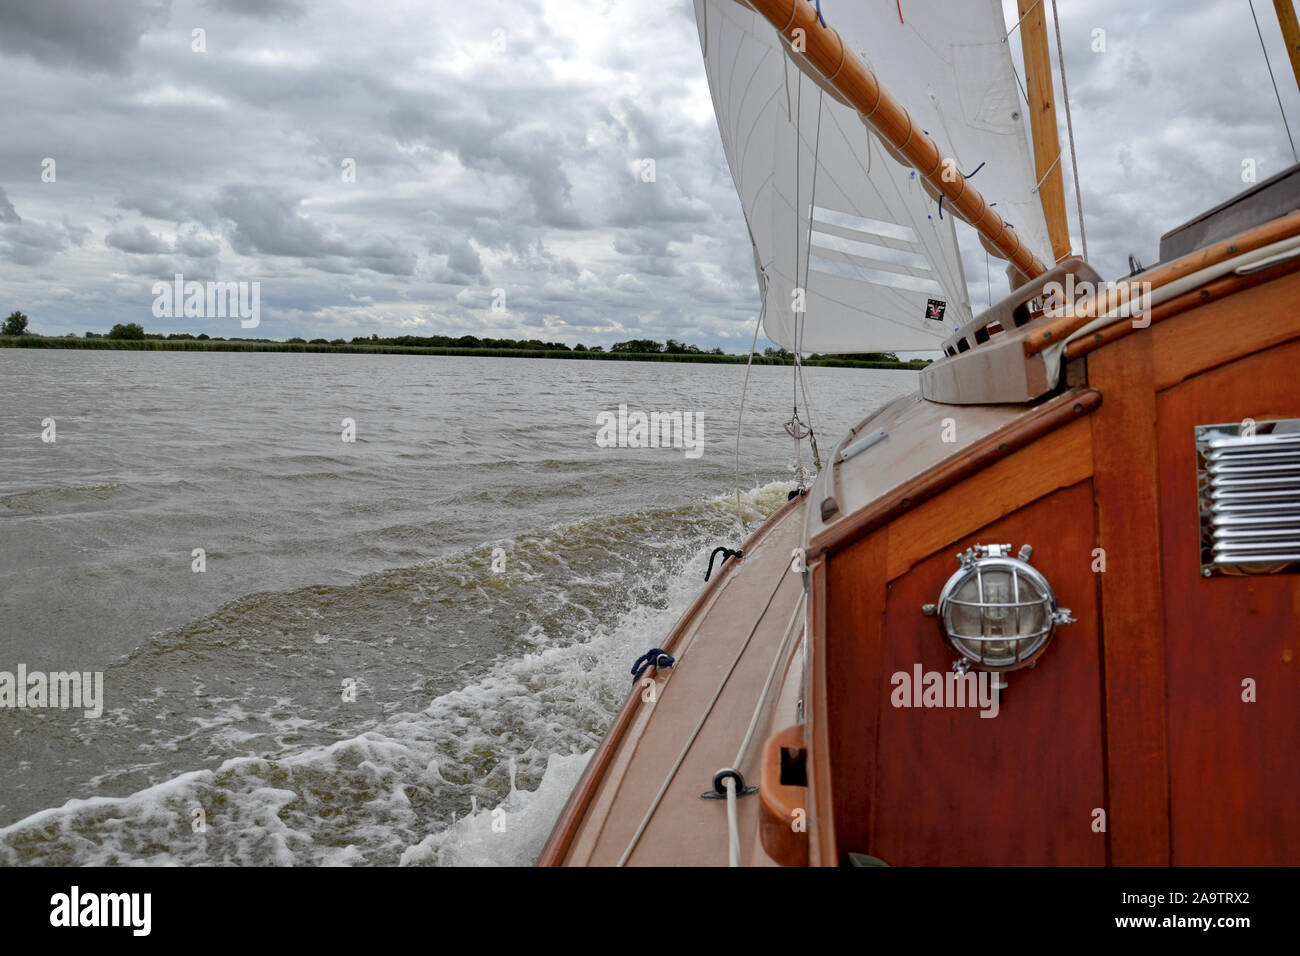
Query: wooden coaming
{"type": "Point", "coordinates": [1185, 771]}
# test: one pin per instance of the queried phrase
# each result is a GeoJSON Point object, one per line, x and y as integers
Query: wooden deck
{"type": "Point", "coordinates": [726, 646]}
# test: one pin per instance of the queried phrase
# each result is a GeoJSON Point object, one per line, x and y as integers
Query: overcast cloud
{"type": "Point", "coordinates": [495, 146]}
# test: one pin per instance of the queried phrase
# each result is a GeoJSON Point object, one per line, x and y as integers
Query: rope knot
{"type": "Point", "coordinates": [655, 657]}
{"type": "Point", "coordinates": [726, 553]}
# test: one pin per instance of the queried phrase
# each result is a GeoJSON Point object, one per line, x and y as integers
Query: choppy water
{"type": "Point", "coordinates": [225, 737]}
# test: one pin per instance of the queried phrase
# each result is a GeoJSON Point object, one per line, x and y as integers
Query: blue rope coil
{"type": "Point", "coordinates": [655, 657]}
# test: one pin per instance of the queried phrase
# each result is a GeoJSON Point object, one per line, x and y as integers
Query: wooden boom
{"type": "Point", "coordinates": [840, 67]}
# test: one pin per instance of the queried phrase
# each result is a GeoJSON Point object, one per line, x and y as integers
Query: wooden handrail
{"type": "Point", "coordinates": [1114, 295]}
{"type": "Point", "coordinates": [844, 71]}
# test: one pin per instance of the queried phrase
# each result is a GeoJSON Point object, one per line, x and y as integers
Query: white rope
{"type": "Point", "coordinates": [743, 751]}
{"type": "Point", "coordinates": [690, 741]}
{"type": "Point", "coordinates": [740, 416]}
{"type": "Point", "coordinates": [798, 208]}
{"type": "Point", "coordinates": [1048, 173]}
{"type": "Point", "coordinates": [1020, 21]}
{"type": "Point", "coordinates": [733, 831]}
{"type": "Point", "coordinates": [1069, 128]}
{"type": "Point", "coordinates": [1016, 74]}
{"type": "Point", "coordinates": [733, 827]}
{"type": "Point", "coordinates": [988, 279]}
{"type": "Point", "coordinates": [801, 324]}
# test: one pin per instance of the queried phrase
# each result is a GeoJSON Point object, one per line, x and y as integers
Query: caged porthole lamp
{"type": "Point", "coordinates": [998, 612]}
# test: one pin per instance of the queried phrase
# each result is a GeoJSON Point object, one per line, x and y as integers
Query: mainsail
{"type": "Point", "coordinates": [853, 251]}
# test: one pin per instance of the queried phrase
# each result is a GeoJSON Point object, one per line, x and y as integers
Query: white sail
{"type": "Point", "coordinates": [836, 219]}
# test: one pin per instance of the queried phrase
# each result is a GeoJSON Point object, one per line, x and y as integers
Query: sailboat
{"type": "Point", "coordinates": [1044, 610]}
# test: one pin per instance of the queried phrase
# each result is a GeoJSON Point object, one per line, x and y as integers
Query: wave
{"type": "Point", "coordinates": [524, 668]}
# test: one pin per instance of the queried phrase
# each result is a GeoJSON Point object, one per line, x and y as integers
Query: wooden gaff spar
{"type": "Point", "coordinates": [841, 68]}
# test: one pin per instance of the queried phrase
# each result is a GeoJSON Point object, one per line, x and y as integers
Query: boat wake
{"type": "Point", "coordinates": [236, 750]}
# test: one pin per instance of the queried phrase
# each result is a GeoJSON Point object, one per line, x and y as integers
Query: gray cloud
{"type": "Point", "coordinates": [268, 222]}
{"type": "Point", "coordinates": [136, 239]}
{"type": "Point", "coordinates": [259, 9]}
{"type": "Point", "coordinates": [100, 36]}
{"type": "Point", "coordinates": [197, 245]}
{"type": "Point", "coordinates": [33, 243]}
{"type": "Point", "coordinates": [7, 211]}
{"type": "Point", "coordinates": [513, 166]}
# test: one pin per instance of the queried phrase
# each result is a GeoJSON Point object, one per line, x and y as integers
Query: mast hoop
{"type": "Point", "coordinates": [794, 12]}
{"type": "Point", "coordinates": [880, 95]}
{"type": "Point", "coordinates": [843, 55]}
{"type": "Point", "coordinates": [953, 199]}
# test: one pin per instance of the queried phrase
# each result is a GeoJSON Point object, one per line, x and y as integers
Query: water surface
{"type": "Point", "coordinates": [225, 736]}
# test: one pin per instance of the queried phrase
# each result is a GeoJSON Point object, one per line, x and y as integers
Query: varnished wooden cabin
{"type": "Point", "coordinates": [1154, 468]}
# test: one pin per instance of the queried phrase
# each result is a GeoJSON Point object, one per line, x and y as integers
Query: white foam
{"type": "Point", "coordinates": [417, 789]}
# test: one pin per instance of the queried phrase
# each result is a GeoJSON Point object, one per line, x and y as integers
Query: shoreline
{"type": "Point", "coordinates": [226, 345]}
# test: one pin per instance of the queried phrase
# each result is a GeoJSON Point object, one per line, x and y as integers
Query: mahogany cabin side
{"type": "Point", "coordinates": [1133, 739]}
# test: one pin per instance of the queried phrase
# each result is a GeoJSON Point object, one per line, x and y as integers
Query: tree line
{"type": "Point", "coordinates": [17, 324]}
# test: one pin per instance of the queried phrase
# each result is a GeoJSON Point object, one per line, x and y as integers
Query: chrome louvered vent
{"type": "Point", "coordinates": [1248, 481]}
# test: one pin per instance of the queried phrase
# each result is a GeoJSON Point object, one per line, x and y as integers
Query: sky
{"type": "Point", "coordinates": [496, 150]}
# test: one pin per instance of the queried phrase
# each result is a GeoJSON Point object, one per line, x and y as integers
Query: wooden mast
{"type": "Point", "coordinates": [848, 76]}
{"type": "Point", "coordinates": [1042, 122]}
{"type": "Point", "coordinates": [1286, 19]}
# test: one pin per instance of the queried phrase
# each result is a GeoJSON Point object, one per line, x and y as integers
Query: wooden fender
{"type": "Point", "coordinates": [783, 791]}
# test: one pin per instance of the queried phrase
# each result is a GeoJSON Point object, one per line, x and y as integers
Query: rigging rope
{"type": "Point", "coordinates": [1016, 74]}
{"type": "Point", "coordinates": [690, 741]}
{"type": "Point", "coordinates": [782, 651]}
{"type": "Point", "coordinates": [740, 416]}
{"type": "Point", "coordinates": [1020, 21]}
{"type": "Point", "coordinates": [1260, 34]}
{"type": "Point", "coordinates": [799, 385]}
{"type": "Point", "coordinates": [1069, 128]}
{"type": "Point", "coordinates": [793, 424]}
{"type": "Point", "coordinates": [988, 278]}
{"type": "Point", "coordinates": [1039, 184]}
{"type": "Point", "coordinates": [733, 827]}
